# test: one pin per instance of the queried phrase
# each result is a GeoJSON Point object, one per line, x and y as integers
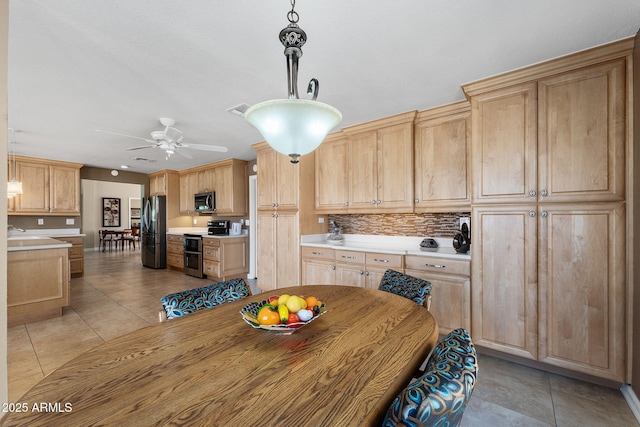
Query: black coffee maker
{"type": "Point", "coordinates": [462, 240]}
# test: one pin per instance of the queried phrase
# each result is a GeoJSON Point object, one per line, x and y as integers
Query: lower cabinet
{"type": "Point", "coordinates": [175, 251]}
{"type": "Point", "coordinates": [450, 289]}
{"type": "Point", "coordinates": [549, 284]}
{"type": "Point", "coordinates": [318, 266]}
{"type": "Point", "coordinates": [76, 255]}
{"type": "Point", "coordinates": [225, 258]}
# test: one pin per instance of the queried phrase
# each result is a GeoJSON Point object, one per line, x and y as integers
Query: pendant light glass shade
{"type": "Point", "coordinates": [293, 127]}
{"type": "Point", "coordinates": [14, 187]}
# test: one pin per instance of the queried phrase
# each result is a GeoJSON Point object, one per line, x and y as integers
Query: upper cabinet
{"type": "Point", "coordinates": [279, 180]}
{"type": "Point", "coordinates": [49, 187]}
{"type": "Point", "coordinates": [442, 159]}
{"type": "Point", "coordinates": [553, 134]}
{"type": "Point", "coordinates": [367, 168]}
{"type": "Point", "coordinates": [188, 187]}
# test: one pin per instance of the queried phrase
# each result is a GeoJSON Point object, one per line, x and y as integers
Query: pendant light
{"type": "Point", "coordinates": [14, 187]}
{"type": "Point", "coordinates": [294, 126]}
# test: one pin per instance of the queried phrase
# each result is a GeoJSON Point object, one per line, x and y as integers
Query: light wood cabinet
{"type": "Point", "coordinates": [550, 150]}
{"type": "Point", "coordinates": [76, 255]}
{"type": "Point", "coordinates": [188, 184]}
{"type": "Point", "coordinates": [581, 280]}
{"type": "Point", "coordinates": [278, 180]}
{"type": "Point", "coordinates": [175, 251]}
{"type": "Point", "coordinates": [231, 186]}
{"type": "Point", "coordinates": [158, 184]}
{"type": "Point", "coordinates": [442, 167]}
{"type": "Point", "coordinates": [206, 180]}
{"type": "Point", "coordinates": [225, 258]}
{"type": "Point", "coordinates": [49, 188]}
{"type": "Point", "coordinates": [278, 241]}
{"type": "Point", "coordinates": [332, 174]}
{"type": "Point", "coordinates": [381, 165]}
{"type": "Point", "coordinates": [318, 266]}
{"type": "Point", "coordinates": [450, 289]}
{"type": "Point", "coordinates": [365, 269]}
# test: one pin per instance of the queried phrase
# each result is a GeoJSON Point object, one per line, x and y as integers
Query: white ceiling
{"type": "Point", "coordinates": [119, 65]}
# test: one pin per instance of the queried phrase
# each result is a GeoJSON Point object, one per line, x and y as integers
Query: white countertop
{"type": "Point", "coordinates": [204, 232]}
{"type": "Point", "coordinates": [28, 243]}
{"type": "Point", "coordinates": [47, 232]}
{"type": "Point", "coordinates": [402, 245]}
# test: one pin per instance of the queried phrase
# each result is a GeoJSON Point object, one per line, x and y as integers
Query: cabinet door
{"type": "Point", "coordinates": [395, 168]}
{"type": "Point", "coordinates": [582, 288]}
{"type": "Point", "coordinates": [318, 272]}
{"type": "Point", "coordinates": [266, 250]}
{"type": "Point", "coordinates": [363, 186]}
{"type": "Point", "coordinates": [65, 190]}
{"type": "Point", "coordinates": [350, 275]}
{"type": "Point", "coordinates": [158, 185]}
{"type": "Point", "coordinates": [441, 163]}
{"type": "Point", "coordinates": [287, 249]}
{"type": "Point", "coordinates": [582, 134]}
{"type": "Point", "coordinates": [186, 196]}
{"type": "Point", "coordinates": [450, 300]}
{"type": "Point", "coordinates": [266, 178]}
{"type": "Point", "coordinates": [224, 189]}
{"type": "Point", "coordinates": [503, 145]}
{"type": "Point", "coordinates": [504, 277]}
{"type": "Point", "coordinates": [288, 182]}
{"type": "Point", "coordinates": [35, 186]}
{"type": "Point", "coordinates": [332, 176]}
{"type": "Point", "coordinates": [206, 180]}
{"type": "Point", "coordinates": [373, 277]}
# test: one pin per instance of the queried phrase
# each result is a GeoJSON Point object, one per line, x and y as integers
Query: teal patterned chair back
{"type": "Point", "coordinates": [415, 289]}
{"type": "Point", "coordinates": [440, 395]}
{"type": "Point", "coordinates": [185, 302]}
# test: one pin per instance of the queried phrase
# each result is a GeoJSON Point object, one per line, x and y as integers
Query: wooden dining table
{"type": "Point", "coordinates": [211, 368]}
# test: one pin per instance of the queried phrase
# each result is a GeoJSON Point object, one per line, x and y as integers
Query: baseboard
{"type": "Point", "coordinates": [632, 400]}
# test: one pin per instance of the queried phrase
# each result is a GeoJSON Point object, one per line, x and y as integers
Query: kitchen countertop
{"type": "Point", "coordinates": [401, 245]}
{"type": "Point", "coordinates": [28, 243]}
{"type": "Point", "coordinates": [203, 231]}
{"type": "Point", "coordinates": [47, 232]}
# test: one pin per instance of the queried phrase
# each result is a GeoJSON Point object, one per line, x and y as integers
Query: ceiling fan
{"type": "Point", "coordinates": [170, 140]}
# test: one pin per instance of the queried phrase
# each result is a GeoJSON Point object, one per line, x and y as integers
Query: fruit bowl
{"type": "Point", "coordinates": [250, 311]}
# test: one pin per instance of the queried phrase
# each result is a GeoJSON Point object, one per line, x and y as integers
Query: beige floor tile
{"type": "Point", "coordinates": [572, 410]}
{"type": "Point", "coordinates": [480, 413]}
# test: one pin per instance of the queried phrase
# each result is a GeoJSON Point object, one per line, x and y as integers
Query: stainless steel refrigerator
{"type": "Point", "coordinates": [153, 232]}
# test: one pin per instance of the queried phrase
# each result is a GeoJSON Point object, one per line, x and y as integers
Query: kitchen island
{"type": "Point", "coordinates": [37, 278]}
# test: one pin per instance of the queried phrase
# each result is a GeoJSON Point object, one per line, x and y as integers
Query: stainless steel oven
{"type": "Point", "coordinates": [193, 255]}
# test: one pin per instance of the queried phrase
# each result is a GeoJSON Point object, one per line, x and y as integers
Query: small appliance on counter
{"type": "Point", "coordinates": [217, 228]}
{"type": "Point", "coordinates": [429, 245]}
{"type": "Point", "coordinates": [236, 229]}
{"type": "Point", "coordinates": [335, 232]}
{"type": "Point", "coordinates": [462, 239]}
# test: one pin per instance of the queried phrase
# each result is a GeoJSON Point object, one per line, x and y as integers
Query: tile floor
{"type": "Point", "coordinates": [118, 295]}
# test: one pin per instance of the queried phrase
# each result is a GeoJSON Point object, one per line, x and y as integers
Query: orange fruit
{"type": "Point", "coordinates": [312, 302]}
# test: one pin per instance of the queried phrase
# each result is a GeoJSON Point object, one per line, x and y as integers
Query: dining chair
{"type": "Point", "coordinates": [106, 238]}
{"type": "Point", "coordinates": [186, 302]}
{"type": "Point", "coordinates": [417, 290]}
{"type": "Point", "coordinates": [127, 236]}
{"type": "Point", "coordinates": [441, 394]}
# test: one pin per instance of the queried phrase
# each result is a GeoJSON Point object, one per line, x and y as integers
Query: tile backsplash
{"type": "Point", "coordinates": [428, 224]}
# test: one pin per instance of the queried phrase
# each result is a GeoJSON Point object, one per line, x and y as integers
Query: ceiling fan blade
{"type": "Point", "coordinates": [172, 134]}
{"type": "Point", "coordinates": [122, 134]}
{"type": "Point", "coordinates": [141, 147]}
{"type": "Point", "coordinates": [183, 153]}
{"type": "Point", "coordinates": [206, 147]}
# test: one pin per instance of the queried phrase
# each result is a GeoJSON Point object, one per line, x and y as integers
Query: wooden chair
{"type": "Point", "coordinates": [107, 237]}
{"type": "Point", "coordinates": [417, 290]}
{"type": "Point", "coordinates": [127, 236]}
{"type": "Point", "coordinates": [440, 395]}
{"type": "Point", "coordinates": [186, 302]}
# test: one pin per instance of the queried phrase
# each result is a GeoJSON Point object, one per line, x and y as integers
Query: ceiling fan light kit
{"type": "Point", "coordinates": [292, 126]}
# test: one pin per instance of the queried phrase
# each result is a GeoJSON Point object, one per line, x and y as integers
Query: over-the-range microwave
{"type": "Point", "coordinates": [205, 202]}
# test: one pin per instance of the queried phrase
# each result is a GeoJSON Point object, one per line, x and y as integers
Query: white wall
{"type": "Point", "coordinates": [92, 194]}
{"type": "Point", "coordinates": [4, 43]}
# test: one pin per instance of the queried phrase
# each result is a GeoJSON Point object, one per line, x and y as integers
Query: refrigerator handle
{"type": "Point", "coordinates": [145, 220]}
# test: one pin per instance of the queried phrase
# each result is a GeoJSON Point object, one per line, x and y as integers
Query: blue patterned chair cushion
{"type": "Point", "coordinates": [185, 302]}
{"type": "Point", "coordinates": [415, 289]}
{"type": "Point", "coordinates": [440, 396]}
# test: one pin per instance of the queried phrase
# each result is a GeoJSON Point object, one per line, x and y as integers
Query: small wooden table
{"type": "Point", "coordinates": [211, 368]}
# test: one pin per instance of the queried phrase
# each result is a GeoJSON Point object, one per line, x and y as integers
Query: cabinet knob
{"type": "Point", "coordinates": [544, 193]}
{"type": "Point", "coordinates": [417, 200]}
{"type": "Point", "coordinates": [532, 213]}
{"type": "Point", "coordinates": [346, 203]}
{"type": "Point", "coordinates": [379, 201]}
{"type": "Point", "coordinates": [333, 267]}
{"type": "Point", "coordinates": [532, 193]}
{"type": "Point", "coordinates": [361, 272]}
{"type": "Point", "coordinates": [544, 214]}
{"type": "Point", "coordinates": [373, 202]}
{"type": "Point", "coordinates": [366, 273]}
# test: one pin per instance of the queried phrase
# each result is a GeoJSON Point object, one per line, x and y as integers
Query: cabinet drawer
{"type": "Point", "coordinates": [175, 248]}
{"type": "Point", "coordinates": [175, 238]}
{"type": "Point", "coordinates": [350, 256]}
{"type": "Point", "coordinates": [72, 240]}
{"type": "Point", "coordinates": [438, 264]}
{"type": "Point", "coordinates": [76, 252]}
{"type": "Point", "coordinates": [212, 243]}
{"type": "Point", "coordinates": [393, 261]}
{"type": "Point", "coordinates": [210, 253]}
{"type": "Point", "coordinates": [174, 260]}
{"type": "Point", "coordinates": [318, 253]}
{"type": "Point", "coordinates": [76, 265]}
{"type": "Point", "coordinates": [211, 268]}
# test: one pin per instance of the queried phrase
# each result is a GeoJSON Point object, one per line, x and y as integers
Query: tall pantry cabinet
{"type": "Point", "coordinates": [549, 148]}
{"type": "Point", "coordinates": [286, 210]}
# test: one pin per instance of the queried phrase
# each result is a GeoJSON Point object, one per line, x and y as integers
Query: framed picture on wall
{"type": "Point", "coordinates": [110, 212]}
